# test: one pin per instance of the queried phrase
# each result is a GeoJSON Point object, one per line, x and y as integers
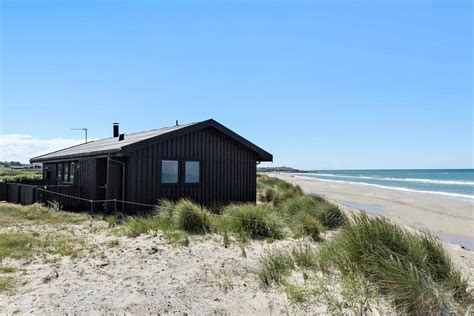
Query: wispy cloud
{"type": "Point", "coordinates": [17, 147]}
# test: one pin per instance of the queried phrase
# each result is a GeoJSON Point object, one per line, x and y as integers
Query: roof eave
{"type": "Point", "coordinates": [75, 156]}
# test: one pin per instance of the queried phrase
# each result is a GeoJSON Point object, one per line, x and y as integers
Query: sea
{"type": "Point", "coordinates": [453, 183]}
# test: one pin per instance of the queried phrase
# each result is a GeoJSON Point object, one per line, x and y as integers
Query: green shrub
{"type": "Point", "coordinates": [192, 218]}
{"type": "Point", "coordinates": [250, 220]}
{"type": "Point", "coordinates": [16, 175]}
{"type": "Point", "coordinates": [274, 267]}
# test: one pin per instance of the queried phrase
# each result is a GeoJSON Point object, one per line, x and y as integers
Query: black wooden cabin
{"type": "Point", "coordinates": [205, 162]}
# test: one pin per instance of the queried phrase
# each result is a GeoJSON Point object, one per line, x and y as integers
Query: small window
{"type": "Point", "coordinates": [191, 171]}
{"type": "Point", "coordinates": [71, 172]}
{"type": "Point", "coordinates": [169, 171]}
{"type": "Point", "coordinates": [59, 172]}
{"type": "Point", "coordinates": [66, 172]}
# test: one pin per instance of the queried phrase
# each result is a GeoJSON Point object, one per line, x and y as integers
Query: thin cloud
{"type": "Point", "coordinates": [17, 147]}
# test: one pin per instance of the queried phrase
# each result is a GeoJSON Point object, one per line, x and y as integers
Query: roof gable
{"type": "Point", "coordinates": [136, 140]}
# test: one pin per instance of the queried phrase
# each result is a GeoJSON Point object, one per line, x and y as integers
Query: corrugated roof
{"type": "Point", "coordinates": [107, 145]}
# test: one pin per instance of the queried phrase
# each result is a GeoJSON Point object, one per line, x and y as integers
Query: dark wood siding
{"type": "Point", "coordinates": [86, 178]}
{"type": "Point", "coordinates": [228, 170]}
{"type": "Point", "coordinates": [227, 173]}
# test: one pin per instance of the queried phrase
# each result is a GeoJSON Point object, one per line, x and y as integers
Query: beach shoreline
{"type": "Point", "coordinates": [450, 219]}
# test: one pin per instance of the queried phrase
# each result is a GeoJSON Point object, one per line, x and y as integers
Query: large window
{"type": "Point", "coordinates": [191, 171]}
{"type": "Point", "coordinates": [169, 171]}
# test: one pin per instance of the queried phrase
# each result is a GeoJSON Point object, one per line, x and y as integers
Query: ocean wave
{"type": "Point", "coordinates": [432, 181]}
{"type": "Point", "coordinates": [448, 194]}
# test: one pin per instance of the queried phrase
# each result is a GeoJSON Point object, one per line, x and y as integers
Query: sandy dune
{"type": "Point", "coordinates": [146, 275]}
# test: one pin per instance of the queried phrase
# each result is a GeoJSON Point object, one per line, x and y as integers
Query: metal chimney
{"type": "Point", "coordinates": [116, 129]}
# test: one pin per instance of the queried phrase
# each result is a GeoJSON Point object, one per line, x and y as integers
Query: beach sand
{"type": "Point", "coordinates": [449, 219]}
{"type": "Point", "coordinates": [146, 274]}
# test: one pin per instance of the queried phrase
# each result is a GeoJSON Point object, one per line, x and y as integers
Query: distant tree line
{"type": "Point", "coordinates": [10, 163]}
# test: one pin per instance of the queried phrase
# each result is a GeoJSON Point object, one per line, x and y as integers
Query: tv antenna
{"type": "Point", "coordinates": [80, 129]}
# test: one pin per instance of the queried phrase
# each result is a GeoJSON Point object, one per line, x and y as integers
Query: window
{"type": "Point", "coordinates": [71, 172]}
{"type": "Point", "coordinates": [59, 172]}
{"type": "Point", "coordinates": [66, 172]}
{"type": "Point", "coordinates": [169, 171]}
{"type": "Point", "coordinates": [191, 170]}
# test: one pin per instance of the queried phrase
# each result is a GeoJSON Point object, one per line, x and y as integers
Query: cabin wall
{"type": "Point", "coordinates": [85, 178]}
{"type": "Point", "coordinates": [228, 170]}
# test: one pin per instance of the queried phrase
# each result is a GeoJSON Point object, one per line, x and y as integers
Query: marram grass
{"type": "Point", "coordinates": [412, 271]}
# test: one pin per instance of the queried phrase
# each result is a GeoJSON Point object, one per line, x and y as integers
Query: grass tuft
{"type": "Point", "coordinates": [191, 218]}
{"type": "Point", "coordinates": [305, 256]}
{"type": "Point", "coordinates": [308, 225]}
{"type": "Point", "coordinates": [7, 284]}
{"type": "Point", "coordinates": [252, 221]}
{"type": "Point", "coordinates": [275, 267]}
{"type": "Point", "coordinates": [8, 269]}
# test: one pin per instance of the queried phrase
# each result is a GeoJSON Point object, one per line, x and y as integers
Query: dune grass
{"type": "Point", "coordinates": [26, 245]}
{"type": "Point", "coordinates": [174, 220]}
{"type": "Point", "coordinates": [286, 209]}
{"type": "Point", "coordinates": [7, 284]}
{"type": "Point", "coordinates": [8, 269]}
{"type": "Point", "coordinates": [372, 258]}
{"type": "Point", "coordinates": [12, 213]}
{"type": "Point", "coordinates": [192, 218]}
{"type": "Point", "coordinates": [252, 221]}
{"type": "Point", "coordinates": [273, 190]}
{"type": "Point", "coordinates": [412, 271]}
{"type": "Point", "coordinates": [274, 267]}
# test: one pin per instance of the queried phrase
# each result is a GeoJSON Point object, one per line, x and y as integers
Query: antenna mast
{"type": "Point", "coordinates": [80, 129]}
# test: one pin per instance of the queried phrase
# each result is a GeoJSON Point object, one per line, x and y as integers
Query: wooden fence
{"type": "Point", "coordinates": [67, 197]}
{"type": "Point", "coordinates": [27, 194]}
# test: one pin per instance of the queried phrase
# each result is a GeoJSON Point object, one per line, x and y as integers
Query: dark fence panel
{"type": "Point", "coordinates": [13, 192]}
{"type": "Point", "coordinates": [3, 191]}
{"type": "Point", "coordinates": [27, 194]}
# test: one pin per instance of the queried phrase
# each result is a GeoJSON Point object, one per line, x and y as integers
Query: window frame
{"type": "Point", "coordinates": [72, 171]}
{"type": "Point", "coordinates": [65, 178]}
{"type": "Point", "coordinates": [184, 172]}
{"type": "Point", "coordinates": [66, 167]}
{"type": "Point", "coordinates": [177, 172]}
{"type": "Point", "coordinates": [59, 172]}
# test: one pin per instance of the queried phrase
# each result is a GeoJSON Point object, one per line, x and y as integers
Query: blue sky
{"type": "Point", "coordinates": [320, 84]}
